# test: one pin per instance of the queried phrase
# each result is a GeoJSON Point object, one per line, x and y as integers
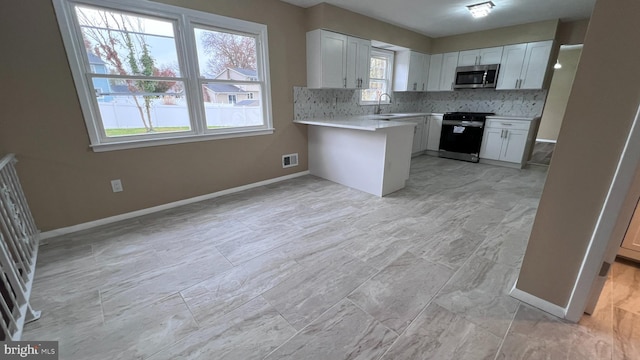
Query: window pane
{"type": "Point", "coordinates": [376, 88]}
{"type": "Point", "coordinates": [126, 44]}
{"type": "Point", "coordinates": [226, 56]}
{"type": "Point", "coordinates": [126, 109]}
{"type": "Point", "coordinates": [378, 68]}
{"type": "Point", "coordinates": [232, 105]}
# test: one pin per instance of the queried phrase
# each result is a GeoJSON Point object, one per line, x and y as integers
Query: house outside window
{"type": "Point", "coordinates": [380, 77]}
{"type": "Point", "coordinates": [141, 84]}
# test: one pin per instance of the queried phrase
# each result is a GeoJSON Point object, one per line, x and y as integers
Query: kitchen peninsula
{"type": "Point", "coordinates": [366, 153]}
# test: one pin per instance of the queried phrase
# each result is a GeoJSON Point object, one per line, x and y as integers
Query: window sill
{"type": "Point", "coordinates": [122, 145]}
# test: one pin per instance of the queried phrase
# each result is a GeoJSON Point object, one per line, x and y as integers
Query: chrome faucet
{"type": "Point", "coordinates": [379, 109]}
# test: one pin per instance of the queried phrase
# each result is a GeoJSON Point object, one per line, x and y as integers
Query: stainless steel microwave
{"type": "Point", "coordinates": [476, 77]}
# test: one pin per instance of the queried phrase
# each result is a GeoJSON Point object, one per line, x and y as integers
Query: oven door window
{"type": "Point", "coordinates": [461, 139]}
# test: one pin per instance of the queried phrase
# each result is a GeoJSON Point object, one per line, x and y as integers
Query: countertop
{"type": "Point", "coordinates": [374, 122]}
{"type": "Point", "coordinates": [507, 117]}
{"type": "Point", "coordinates": [361, 122]}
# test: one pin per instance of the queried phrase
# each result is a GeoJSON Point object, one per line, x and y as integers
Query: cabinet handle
{"type": "Point", "coordinates": [502, 134]}
{"type": "Point", "coordinates": [415, 86]}
{"type": "Point", "coordinates": [507, 124]}
{"type": "Point", "coordinates": [345, 83]}
{"type": "Point", "coordinates": [479, 59]}
{"type": "Point", "coordinates": [422, 86]}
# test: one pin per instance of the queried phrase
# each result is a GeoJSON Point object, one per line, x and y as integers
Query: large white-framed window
{"type": "Point", "coordinates": [380, 77]}
{"type": "Point", "coordinates": [150, 74]}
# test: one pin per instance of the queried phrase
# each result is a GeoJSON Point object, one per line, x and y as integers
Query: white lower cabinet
{"type": "Point", "coordinates": [419, 142]}
{"type": "Point", "coordinates": [506, 140]}
{"type": "Point", "coordinates": [433, 133]}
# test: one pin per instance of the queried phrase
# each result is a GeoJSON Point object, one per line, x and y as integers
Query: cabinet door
{"type": "Point", "coordinates": [410, 71]}
{"type": "Point", "coordinates": [425, 134]}
{"type": "Point", "coordinates": [426, 60]}
{"type": "Point", "coordinates": [435, 69]}
{"type": "Point", "coordinates": [416, 67]}
{"type": "Point", "coordinates": [358, 62]}
{"type": "Point", "coordinates": [433, 136]}
{"type": "Point", "coordinates": [511, 66]}
{"type": "Point", "coordinates": [513, 146]}
{"type": "Point", "coordinates": [363, 65]}
{"type": "Point", "coordinates": [491, 147]}
{"type": "Point", "coordinates": [449, 64]}
{"type": "Point", "coordinates": [326, 59]}
{"type": "Point", "coordinates": [536, 62]}
{"type": "Point", "coordinates": [468, 57]}
{"type": "Point", "coordinates": [417, 137]}
{"type": "Point", "coordinates": [489, 56]}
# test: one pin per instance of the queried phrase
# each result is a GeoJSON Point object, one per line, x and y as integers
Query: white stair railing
{"type": "Point", "coordinates": [19, 240]}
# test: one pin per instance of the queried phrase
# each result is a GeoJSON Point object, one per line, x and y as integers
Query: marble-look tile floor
{"type": "Point", "coordinates": [542, 153]}
{"type": "Point", "coordinates": [309, 269]}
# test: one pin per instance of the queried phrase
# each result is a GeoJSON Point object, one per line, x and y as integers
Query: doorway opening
{"type": "Point", "coordinates": [556, 103]}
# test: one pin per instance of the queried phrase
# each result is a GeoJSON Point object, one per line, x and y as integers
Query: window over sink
{"type": "Point", "coordinates": [380, 77]}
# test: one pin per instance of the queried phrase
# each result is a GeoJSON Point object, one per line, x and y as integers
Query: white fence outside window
{"type": "Point", "coordinates": [117, 115]}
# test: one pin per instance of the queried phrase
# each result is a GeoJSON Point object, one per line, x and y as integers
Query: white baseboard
{"type": "Point", "coordinates": [546, 141]}
{"type": "Point", "coordinates": [535, 301]}
{"type": "Point", "coordinates": [129, 215]}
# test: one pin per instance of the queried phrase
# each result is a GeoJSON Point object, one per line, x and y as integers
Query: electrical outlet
{"type": "Point", "coordinates": [289, 160]}
{"type": "Point", "coordinates": [116, 185]}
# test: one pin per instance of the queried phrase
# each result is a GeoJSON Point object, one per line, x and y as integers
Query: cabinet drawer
{"type": "Point", "coordinates": [508, 124]}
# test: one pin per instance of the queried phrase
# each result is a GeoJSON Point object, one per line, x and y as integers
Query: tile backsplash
{"type": "Point", "coordinates": [328, 103]}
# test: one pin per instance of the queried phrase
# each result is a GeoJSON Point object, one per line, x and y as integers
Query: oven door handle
{"type": "Point", "coordinates": [477, 124]}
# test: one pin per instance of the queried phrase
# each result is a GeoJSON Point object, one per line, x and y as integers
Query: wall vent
{"type": "Point", "coordinates": [289, 160]}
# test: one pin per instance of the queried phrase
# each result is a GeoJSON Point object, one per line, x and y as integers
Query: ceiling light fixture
{"type": "Point", "coordinates": [481, 9]}
{"type": "Point", "coordinates": [557, 65]}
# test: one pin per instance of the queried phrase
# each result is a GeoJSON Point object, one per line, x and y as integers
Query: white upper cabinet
{"type": "Point", "coordinates": [511, 66]}
{"type": "Point", "coordinates": [448, 75]}
{"type": "Point", "coordinates": [435, 71]}
{"type": "Point", "coordinates": [523, 66]}
{"type": "Point", "coordinates": [536, 63]}
{"type": "Point", "coordinates": [337, 61]}
{"type": "Point", "coordinates": [411, 71]}
{"type": "Point", "coordinates": [486, 56]}
{"type": "Point", "coordinates": [358, 62]}
{"type": "Point", "coordinates": [442, 71]}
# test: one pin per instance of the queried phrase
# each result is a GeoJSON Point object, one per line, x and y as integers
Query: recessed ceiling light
{"type": "Point", "coordinates": [481, 9]}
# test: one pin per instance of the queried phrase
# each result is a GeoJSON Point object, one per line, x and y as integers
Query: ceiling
{"type": "Point", "coordinates": [437, 18]}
